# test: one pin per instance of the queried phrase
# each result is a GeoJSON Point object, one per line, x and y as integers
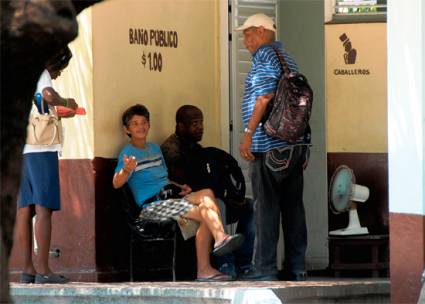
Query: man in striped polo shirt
{"type": "Point", "coordinates": [276, 165]}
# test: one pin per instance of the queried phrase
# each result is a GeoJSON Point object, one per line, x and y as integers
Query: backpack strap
{"type": "Point", "coordinates": [283, 64]}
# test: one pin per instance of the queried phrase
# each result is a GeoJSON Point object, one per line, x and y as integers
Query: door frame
{"type": "Point", "coordinates": [224, 45]}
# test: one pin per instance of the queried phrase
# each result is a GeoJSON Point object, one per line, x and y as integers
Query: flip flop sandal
{"type": "Point", "coordinates": [50, 279]}
{"type": "Point", "coordinates": [229, 244]}
{"type": "Point", "coordinates": [27, 278]}
{"type": "Point", "coordinates": [219, 277]}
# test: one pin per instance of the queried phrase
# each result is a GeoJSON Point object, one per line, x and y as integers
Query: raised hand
{"type": "Point", "coordinates": [130, 163]}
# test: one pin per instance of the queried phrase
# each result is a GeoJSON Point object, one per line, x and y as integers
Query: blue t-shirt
{"type": "Point", "coordinates": [150, 174]}
{"type": "Point", "coordinates": [261, 80]}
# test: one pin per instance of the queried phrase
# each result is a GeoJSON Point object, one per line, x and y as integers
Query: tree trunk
{"type": "Point", "coordinates": [31, 31]}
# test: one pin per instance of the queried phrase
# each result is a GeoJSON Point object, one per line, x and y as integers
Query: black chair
{"type": "Point", "coordinates": [148, 232]}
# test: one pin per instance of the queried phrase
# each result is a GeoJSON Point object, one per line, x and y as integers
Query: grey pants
{"type": "Point", "coordinates": [277, 184]}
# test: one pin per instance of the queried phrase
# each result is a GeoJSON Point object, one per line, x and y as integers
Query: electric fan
{"type": "Point", "coordinates": [343, 193]}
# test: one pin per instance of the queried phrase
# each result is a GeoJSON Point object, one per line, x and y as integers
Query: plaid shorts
{"type": "Point", "coordinates": [170, 208]}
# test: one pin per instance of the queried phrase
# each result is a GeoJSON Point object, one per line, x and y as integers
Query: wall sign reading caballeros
{"type": "Point", "coordinates": [350, 57]}
{"type": "Point", "coordinates": [152, 37]}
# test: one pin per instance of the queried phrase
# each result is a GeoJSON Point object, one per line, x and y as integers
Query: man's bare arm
{"type": "Point", "coordinates": [257, 114]}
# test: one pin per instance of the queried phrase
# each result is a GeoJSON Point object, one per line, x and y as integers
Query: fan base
{"type": "Point", "coordinates": [350, 231]}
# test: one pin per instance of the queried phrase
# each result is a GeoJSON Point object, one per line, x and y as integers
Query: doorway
{"type": "Point", "coordinates": [294, 19]}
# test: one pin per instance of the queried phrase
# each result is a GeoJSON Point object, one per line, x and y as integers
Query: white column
{"type": "Point", "coordinates": [406, 105]}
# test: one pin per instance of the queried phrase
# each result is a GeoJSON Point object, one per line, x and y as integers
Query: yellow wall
{"type": "Point", "coordinates": [190, 71]}
{"type": "Point", "coordinates": [356, 105]}
{"type": "Point", "coordinates": [76, 82]}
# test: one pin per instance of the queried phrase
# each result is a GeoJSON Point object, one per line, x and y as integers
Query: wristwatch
{"type": "Point", "coordinates": [248, 130]}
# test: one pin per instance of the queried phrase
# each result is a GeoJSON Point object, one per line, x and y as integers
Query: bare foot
{"type": "Point", "coordinates": [206, 273]}
{"type": "Point", "coordinates": [219, 241]}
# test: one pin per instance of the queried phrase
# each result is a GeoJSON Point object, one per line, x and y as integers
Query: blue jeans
{"type": "Point", "coordinates": [277, 184]}
{"type": "Point", "coordinates": [241, 258]}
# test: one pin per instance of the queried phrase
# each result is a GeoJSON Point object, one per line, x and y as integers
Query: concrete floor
{"type": "Point", "coordinates": [317, 290]}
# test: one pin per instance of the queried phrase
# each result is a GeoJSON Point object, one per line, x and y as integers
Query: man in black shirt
{"type": "Point", "coordinates": [177, 150]}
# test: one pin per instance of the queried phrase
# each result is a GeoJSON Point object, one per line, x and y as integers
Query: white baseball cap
{"type": "Point", "coordinates": [258, 20]}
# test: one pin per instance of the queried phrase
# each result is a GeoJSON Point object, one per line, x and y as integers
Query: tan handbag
{"type": "Point", "coordinates": [44, 129]}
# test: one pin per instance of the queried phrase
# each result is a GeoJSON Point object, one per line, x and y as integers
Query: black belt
{"type": "Point", "coordinates": [166, 192]}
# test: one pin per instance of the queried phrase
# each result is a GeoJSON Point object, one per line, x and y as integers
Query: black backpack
{"type": "Point", "coordinates": [289, 112]}
{"type": "Point", "coordinates": [217, 170]}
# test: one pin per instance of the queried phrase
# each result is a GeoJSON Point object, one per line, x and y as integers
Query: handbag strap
{"type": "Point", "coordinates": [42, 107]}
{"type": "Point", "coordinates": [283, 64]}
{"type": "Point", "coordinates": [55, 132]}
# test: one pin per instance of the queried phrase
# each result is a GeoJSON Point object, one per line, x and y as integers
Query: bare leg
{"type": "Point", "coordinates": [203, 248]}
{"type": "Point", "coordinates": [207, 212]}
{"type": "Point", "coordinates": [23, 236]}
{"type": "Point", "coordinates": [43, 234]}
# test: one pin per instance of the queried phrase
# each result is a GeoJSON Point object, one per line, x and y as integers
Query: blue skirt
{"type": "Point", "coordinates": [40, 180]}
